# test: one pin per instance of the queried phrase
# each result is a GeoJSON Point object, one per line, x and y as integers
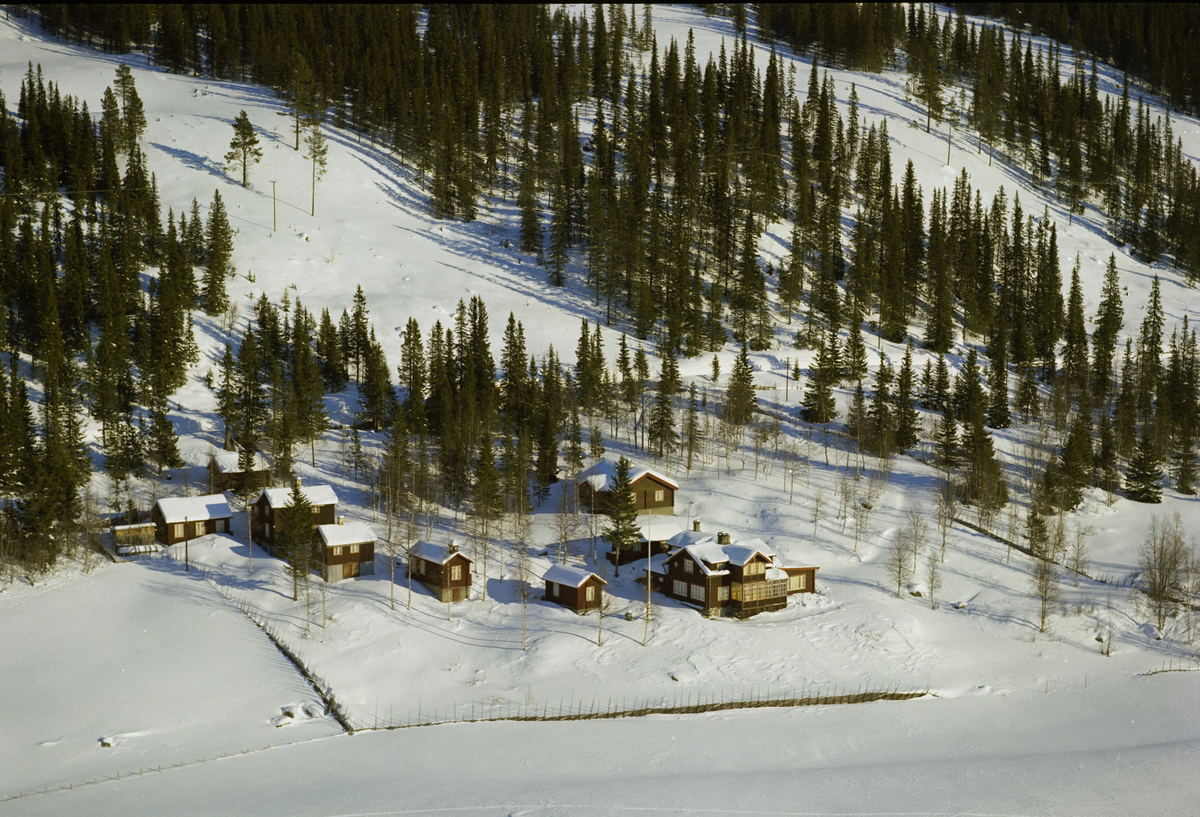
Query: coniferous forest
{"type": "Point", "coordinates": [660, 203]}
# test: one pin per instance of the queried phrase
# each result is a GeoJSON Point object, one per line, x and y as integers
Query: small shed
{"type": "Point", "coordinates": [576, 588]}
{"type": "Point", "coordinates": [444, 569]}
{"type": "Point", "coordinates": [345, 551]}
{"type": "Point", "coordinates": [225, 473]}
{"type": "Point", "coordinates": [264, 513]}
{"type": "Point", "coordinates": [653, 534]}
{"type": "Point", "coordinates": [653, 493]}
{"type": "Point", "coordinates": [178, 519]}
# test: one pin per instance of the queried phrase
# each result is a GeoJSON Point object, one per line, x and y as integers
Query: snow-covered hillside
{"type": "Point", "coordinates": [163, 666]}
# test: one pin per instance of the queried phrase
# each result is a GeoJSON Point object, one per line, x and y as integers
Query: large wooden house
{"type": "Point", "coordinates": [576, 588]}
{"type": "Point", "coordinates": [723, 578]}
{"type": "Point", "coordinates": [445, 570]}
{"type": "Point", "coordinates": [265, 513]}
{"type": "Point", "coordinates": [225, 473]}
{"type": "Point", "coordinates": [179, 519]}
{"type": "Point", "coordinates": [345, 551]}
{"type": "Point", "coordinates": [653, 493]}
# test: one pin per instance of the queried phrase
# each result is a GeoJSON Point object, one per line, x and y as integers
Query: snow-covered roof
{"type": "Point", "coordinates": [570, 576]}
{"type": "Point", "coordinates": [704, 548]}
{"type": "Point", "coordinates": [661, 528]}
{"type": "Point", "coordinates": [351, 533]}
{"type": "Point", "coordinates": [193, 508]}
{"type": "Point", "coordinates": [227, 462]}
{"type": "Point", "coordinates": [602, 475]}
{"type": "Point", "coordinates": [439, 554]}
{"type": "Point", "coordinates": [776, 573]}
{"type": "Point", "coordinates": [316, 494]}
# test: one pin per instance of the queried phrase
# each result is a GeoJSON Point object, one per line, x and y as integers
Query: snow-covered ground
{"type": "Point", "coordinates": [164, 666]}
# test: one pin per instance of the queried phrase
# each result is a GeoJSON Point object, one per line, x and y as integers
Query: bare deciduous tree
{"type": "Point", "coordinates": [1162, 559]}
{"type": "Point", "coordinates": [1077, 554]}
{"type": "Point", "coordinates": [817, 504]}
{"type": "Point", "coordinates": [897, 563]}
{"type": "Point", "coordinates": [933, 578]}
{"type": "Point", "coordinates": [1044, 579]}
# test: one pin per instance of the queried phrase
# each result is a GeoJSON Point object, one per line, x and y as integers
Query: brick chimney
{"type": "Point", "coordinates": [723, 539]}
{"type": "Point", "coordinates": [696, 525]}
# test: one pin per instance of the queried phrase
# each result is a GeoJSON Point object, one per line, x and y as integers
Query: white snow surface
{"type": "Point", "coordinates": [162, 664]}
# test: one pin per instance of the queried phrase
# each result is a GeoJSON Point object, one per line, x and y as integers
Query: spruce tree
{"type": "Point", "coordinates": [740, 400]}
{"type": "Point", "coordinates": [294, 539]}
{"type": "Point", "coordinates": [907, 421]}
{"type": "Point", "coordinates": [1143, 478]}
{"type": "Point", "coordinates": [622, 533]}
{"type": "Point", "coordinates": [213, 298]}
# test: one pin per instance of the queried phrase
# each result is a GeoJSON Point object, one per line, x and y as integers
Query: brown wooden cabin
{"type": "Point", "coordinates": [345, 551]}
{"type": "Point", "coordinates": [225, 474]}
{"type": "Point", "coordinates": [653, 493]}
{"type": "Point", "coordinates": [265, 513]}
{"type": "Point", "coordinates": [723, 578]}
{"type": "Point", "coordinates": [576, 588]}
{"type": "Point", "coordinates": [445, 570]}
{"type": "Point", "coordinates": [178, 519]}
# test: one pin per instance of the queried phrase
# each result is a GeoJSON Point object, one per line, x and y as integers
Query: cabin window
{"type": "Point", "coordinates": [799, 582]}
{"type": "Point", "coordinates": [222, 526]}
{"type": "Point", "coordinates": [316, 510]}
{"type": "Point", "coordinates": [455, 572]}
{"type": "Point", "coordinates": [179, 534]}
{"type": "Point", "coordinates": [633, 495]}
{"type": "Point", "coordinates": [553, 588]}
{"type": "Point", "coordinates": [755, 569]}
{"type": "Point", "coordinates": [337, 551]}
{"type": "Point", "coordinates": [590, 594]}
{"type": "Point", "coordinates": [354, 548]}
{"type": "Point", "coordinates": [199, 529]}
{"type": "Point", "coordinates": [417, 566]}
{"type": "Point", "coordinates": [658, 496]}
{"type": "Point", "coordinates": [698, 592]}
{"type": "Point", "coordinates": [681, 588]}
{"type": "Point", "coordinates": [722, 594]}
{"type": "Point", "coordinates": [687, 566]}
{"type": "Point", "coordinates": [268, 529]}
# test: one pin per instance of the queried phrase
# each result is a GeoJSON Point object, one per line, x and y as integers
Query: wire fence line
{"type": "Point", "coordinates": [611, 709]}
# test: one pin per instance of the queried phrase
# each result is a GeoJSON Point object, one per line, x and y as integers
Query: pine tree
{"type": "Point", "coordinates": [243, 148]}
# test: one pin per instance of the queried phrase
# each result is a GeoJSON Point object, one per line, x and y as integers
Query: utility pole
{"type": "Point", "coordinates": [187, 565]}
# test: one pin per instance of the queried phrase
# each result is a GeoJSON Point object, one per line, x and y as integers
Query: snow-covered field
{"type": "Point", "coordinates": [164, 666]}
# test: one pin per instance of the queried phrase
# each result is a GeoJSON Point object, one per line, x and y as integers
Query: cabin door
{"type": "Point", "coordinates": [350, 570]}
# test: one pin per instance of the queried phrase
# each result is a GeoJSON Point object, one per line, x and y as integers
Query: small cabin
{"type": "Point", "coordinates": [345, 551]}
{"type": "Point", "coordinates": [178, 519]}
{"type": "Point", "coordinates": [721, 577]}
{"type": "Point", "coordinates": [654, 533]}
{"type": "Point", "coordinates": [653, 493]}
{"type": "Point", "coordinates": [445, 570]}
{"type": "Point", "coordinates": [576, 588]}
{"type": "Point", "coordinates": [265, 513]}
{"type": "Point", "coordinates": [225, 473]}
